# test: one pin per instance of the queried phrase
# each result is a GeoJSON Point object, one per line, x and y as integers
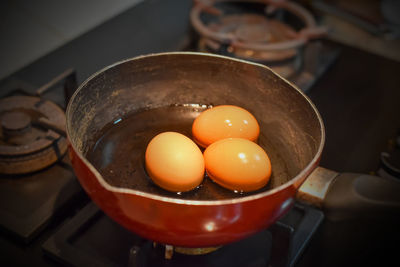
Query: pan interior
{"type": "Point", "coordinates": [115, 113]}
{"type": "Point", "coordinates": [118, 152]}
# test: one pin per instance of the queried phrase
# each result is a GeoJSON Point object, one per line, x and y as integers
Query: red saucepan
{"type": "Point", "coordinates": [160, 92]}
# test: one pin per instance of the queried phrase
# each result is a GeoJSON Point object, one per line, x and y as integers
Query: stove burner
{"type": "Point", "coordinates": [285, 68]}
{"type": "Point", "coordinates": [169, 250]}
{"type": "Point", "coordinates": [252, 33]}
{"type": "Point", "coordinates": [253, 28]}
{"type": "Point", "coordinates": [253, 36]}
{"type": "Point", "coordinates": [85, 241]}
{"type": "Point", "coordinates": [15, 122]}
{"type": "Point", "coordinates": [26, 144]}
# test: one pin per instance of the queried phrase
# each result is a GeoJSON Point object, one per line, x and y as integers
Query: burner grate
{"type": "Point", "coordinates": [265, 32]}
{"type": "Point", "coordinates": [29, 201]}
{"type": "Point", "coordinates": [93, 239]}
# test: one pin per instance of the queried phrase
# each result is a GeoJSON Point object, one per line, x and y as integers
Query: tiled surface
{"type": "Point", "coordinates": [31, 29]}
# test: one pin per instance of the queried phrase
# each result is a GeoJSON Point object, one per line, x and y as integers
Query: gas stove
{"type": "Point", "coordinates": [37, 180]}
{"type": "Point", "coordinates": [47, 220]}
{"type": "Point", "coordinates": [41, 187]}
{"type": "Point", "coordinates": [85, 241]}
{"type": "Point", "coordinates": [277, 34]}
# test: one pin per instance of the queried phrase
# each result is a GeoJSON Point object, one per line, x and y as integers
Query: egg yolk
{"type": "Point", "coordinates": [237, 164]}
{"type": "Point", "coordinates": [222, 122]}
{"type": "Point", "coordinates": [174, 162]}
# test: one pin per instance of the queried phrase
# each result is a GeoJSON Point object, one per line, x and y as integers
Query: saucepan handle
{"type": "Point", "coordinates": [346, 196]}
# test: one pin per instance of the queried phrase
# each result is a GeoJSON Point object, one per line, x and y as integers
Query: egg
{"type": "Point", "coordinates": [237, 164]}
{"type": "Point", "coordinates": [222, 122]}
{"type": "Point", "coordinates": [174, 162]}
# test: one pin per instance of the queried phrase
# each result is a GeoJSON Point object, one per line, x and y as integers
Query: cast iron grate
{"type": "Point", "coordinates": [92, 239]}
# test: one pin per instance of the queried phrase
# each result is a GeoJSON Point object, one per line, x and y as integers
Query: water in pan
{"type": "Point", "coordinates": [119, 148]}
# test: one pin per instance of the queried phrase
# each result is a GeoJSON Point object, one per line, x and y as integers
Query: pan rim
{"type": "Point", "coordinates": [300, 177]}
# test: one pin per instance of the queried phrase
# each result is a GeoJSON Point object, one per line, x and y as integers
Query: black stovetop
{"type": "Point", "coordinates": [85, 241]}
{"type": "Point", "coordinates": [357, 98]}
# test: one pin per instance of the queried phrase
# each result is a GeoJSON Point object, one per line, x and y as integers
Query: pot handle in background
{"type": "Point", "coordinates": [346, 196]}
